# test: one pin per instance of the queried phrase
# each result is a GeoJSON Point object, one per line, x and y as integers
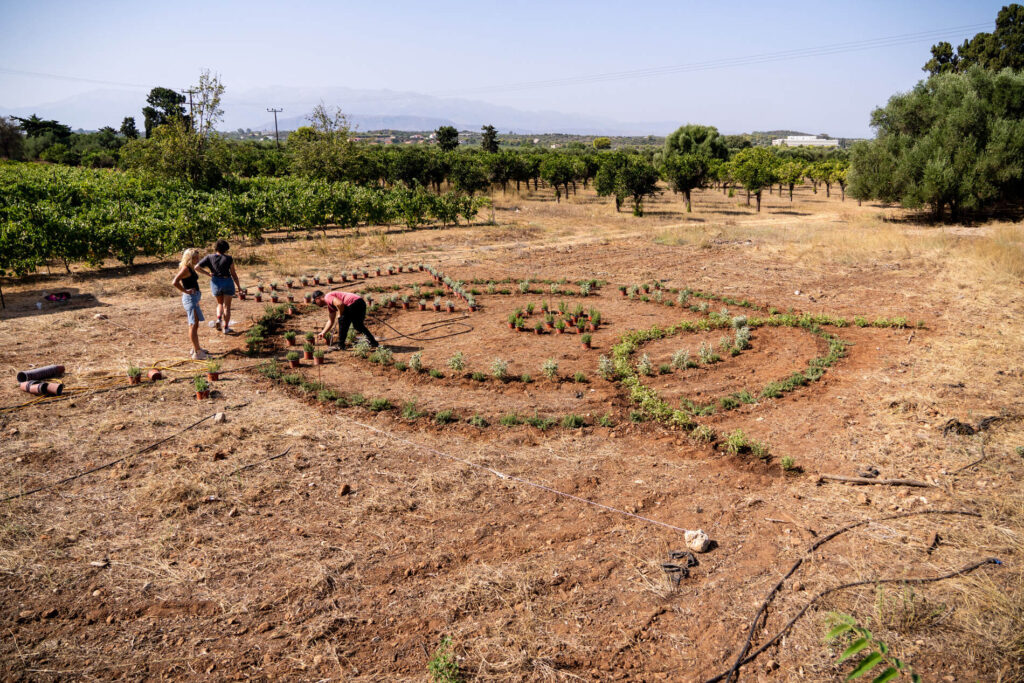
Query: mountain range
{"type": "Point", "coordinates": [365, 109]}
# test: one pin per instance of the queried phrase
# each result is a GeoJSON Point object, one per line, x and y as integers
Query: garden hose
{"type": "Point", "coordinates": [428, 327]}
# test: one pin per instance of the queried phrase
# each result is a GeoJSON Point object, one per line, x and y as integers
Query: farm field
{"type": "Point", "coordinates": [377, 533]}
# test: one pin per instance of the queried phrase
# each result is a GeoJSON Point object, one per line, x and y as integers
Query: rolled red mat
{"type": "Point", "coordinates": [40, 373]}
{"type": "Point", "coordinates": [43, 388]}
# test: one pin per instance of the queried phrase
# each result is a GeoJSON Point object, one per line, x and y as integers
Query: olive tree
{"type": "Point", "coordinates": [755, 169]}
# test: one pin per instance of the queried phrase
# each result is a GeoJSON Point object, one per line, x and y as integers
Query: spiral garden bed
{"type": "Point", "coordinates": [545, 354]}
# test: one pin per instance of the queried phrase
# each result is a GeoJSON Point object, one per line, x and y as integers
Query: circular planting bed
{"type": "Point", "coordinates": [494, 354]}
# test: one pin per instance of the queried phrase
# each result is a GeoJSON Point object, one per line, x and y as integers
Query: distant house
{"type": "Point", "coordinates": [804, 141]}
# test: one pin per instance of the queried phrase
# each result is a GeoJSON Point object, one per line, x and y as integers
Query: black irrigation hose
{"type": "Point", "coordinates": [429, 327]}
{"type": "Point", "coordinates": [742, 657]}
{"type": "Point", "coordinates": [114, 462]}
{"type": "Point", "coordinates": [966, 569]}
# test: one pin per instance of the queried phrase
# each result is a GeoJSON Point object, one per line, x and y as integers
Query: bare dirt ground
{"type": "Point", "coordinates": [351, 556]}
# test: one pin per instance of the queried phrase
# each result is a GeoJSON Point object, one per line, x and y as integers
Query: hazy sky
{"type": "Point", "coordinates": [456, 48]}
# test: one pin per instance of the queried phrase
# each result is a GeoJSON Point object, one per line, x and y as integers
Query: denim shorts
{"type": "Point", "coordinates": [222, 286]}
{"type": "Point", "coordinates": [191, 304]}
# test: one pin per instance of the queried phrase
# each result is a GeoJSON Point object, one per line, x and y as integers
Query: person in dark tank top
{"type": "Point", "coordinates": [220, 267]}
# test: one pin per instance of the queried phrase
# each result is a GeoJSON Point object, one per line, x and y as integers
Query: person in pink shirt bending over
{"type": "Point", "coordinates": [353, 311]}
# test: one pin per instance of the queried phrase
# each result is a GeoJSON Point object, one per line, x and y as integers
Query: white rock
{"type": "Point", "coordinates": [697, 540]}
{"type": "Point", "coordinates": [219, 419]}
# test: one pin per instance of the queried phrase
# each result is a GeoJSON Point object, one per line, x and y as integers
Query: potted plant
{"type": "Point", "coordinates": [423, 304]}
{"type": "Point", "coordinates": [274, 297]}
{"type": "Point", "coordinates": [595, 321]}
{"type": "Point", "coordinates": [213, 370]}
{"type": "Point", "coordinates": [405, 302]}
{"type": "Point", "coordinates": [437, 303]}
{"type": "Point", "coordinates": [377, 271]}
{"type": "Point", "coordinates": [316, 279]}
{"type": "Point", "coordinates": [291, 298]}
{"type": "Point", "coordinates": [330, 278]}
{"type": "Point", "coordinates": [585, 339]}
{"type": "Point", "coordinates": [202, 387]}
{"type": "Point", "coordinates": [289, 337]}
{"type": "Point", "coordinates": [512, 321]}
{"type": "Point", "coordinates": [421, 267]}
{"type": "Point", "coordinates": [520, 325]}
{"type": "Point", "coordinates": [304, 280]}
{"type": "Point", "coordinates": [544, 306]}
{"type": "Point", "coordinates": [450, 305]}
{"type": "Point", "coordinates": [646, 287]}
{"type": "Point", "coordinates": [293, 359]}
{"type": "Point", "coordinates": [134, 374]}
{"type": "Point", "coordinates": [308, 298]}
{"type": "Point", "coordinates": [273, 286]}
{"type": "Point", "coordinates": [471, 302]}
{"type": "Point", "coordinates": [538, 328]}
{"type": "Point", "coordinates": [318, 357]}
{"type": "Point", "coordinates": [289, 283]}
{"type": "Point", "coordinates": [622, 290]}
{"type": "Point", "coordinates": [581, 327]}
{"type": "Point", "coordinates": [529, 310]}
{"type": "Point", "coordinates": [549, 321]}
{"type": "Point", "coordinates": [241, 295]}
{"type": "Point", "coordinates": [560, 326]}
{"type": "Point", "coordinates": [366, 274]}
{"type": "Point", "coordinates": [309, 337]}
{"type": "Point", "coordinates": [154, 375]}
{"type": "Point", "coordinates": [260, 287]}
{"type": "Point", "coordinates": [307, 351]}
{"type": "Point", "coordinates": [259, 297]}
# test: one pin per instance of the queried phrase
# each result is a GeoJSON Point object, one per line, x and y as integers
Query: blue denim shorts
{"type": "Point", "coordinates": [222, 286]}
{"type": "Point", "coordinates": [191, 304]}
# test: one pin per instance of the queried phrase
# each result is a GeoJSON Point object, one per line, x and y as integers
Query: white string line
{"type": "Point", "coordinates": [525, 482]}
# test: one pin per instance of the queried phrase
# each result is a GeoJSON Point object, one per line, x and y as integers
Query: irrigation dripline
{"type": "Point", "coordinates": [502, 475]}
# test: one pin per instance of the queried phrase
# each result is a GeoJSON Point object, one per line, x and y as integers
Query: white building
{"type": "Point", "coordinates": [804, 141]}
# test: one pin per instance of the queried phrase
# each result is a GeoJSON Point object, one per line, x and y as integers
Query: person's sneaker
{"type": "Point", "coordinates": [199, 356]}
{"type": "Point", "coordinates": [336, 347]}
{"type": "Point", "coordinates": [228, 330]}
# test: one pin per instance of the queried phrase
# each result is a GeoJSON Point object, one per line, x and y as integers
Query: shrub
{"type": "Point", "coordinates": [644, 367]}
{"type": "Point", "coordinates": [524, 286]}
{"type": "Point", "coordinates": [361, 348]}
{"type": "Point", "coordinates": [292, 379]}
{"type": "Point", "coordinates": [292, 356]}
{"type": "Point", "coordinates": [410, 412]}
{"type": "Point", "coordinates": [443, 417]}
{"type": "Point", "coordinates": [356, 399]}
{"type": "Point", "coordinates": [200, 384]}
{"type": "Point", "coordinates": [707, 354]}
{"type": "Point", "coordinates": [579, 378]}
{"type": "Point", "coordinates": [664, 369]}
{"type": "Point", "coordinates": [290, 335]}
{"type": "Point", "coordinates": [442, 665]}
{"type": "Point", "coordinates": [382, 355]}
{"type": "Point", "coordinates": [478, 421]}
{"type": "Point", "coordinates": [457, 362]}
{"type": "Point", "coordinates": [510, 420]}
{"type": "Point", "coordinates": [327, 396]}
{"type": "Point", "coordinates": [416, 362]}
{"type": "Point", "coordinates": [606, 420]}
{"type": "Point", "coordinates": [736, 442]}
{"type": "Point", "coordinates": [436, 374]}
{"type": "Point", "coordinates": [399, 365]}
{"type": "Point", "coordinates": [134, 371]}
{"type": "Point", "coordinates": [606, 368]}
{"type": "Point", "coordinates": [703, 434]}
{"type": "Point", "coordinates": [681, 359]}
{"type": "Point", "coordinates": [787, 463]}
{"type": "Point", "coordinates": [499, 368]}
{"type": "Point", "coordinates": [549, 368]}
{"type": "Point", "coordinates": [541, 423]}
{"type": "Point", "coordinates": [636, 416]}
{"type": "Point", "coordinates": [479, 376]}
{"type": "Point", "coordinates": [572, 421]}
{"type": "Point", "coordinates": [319, 354]}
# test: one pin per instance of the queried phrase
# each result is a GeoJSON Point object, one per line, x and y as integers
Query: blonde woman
{"type": "Point", "coordinates": [187, 282]}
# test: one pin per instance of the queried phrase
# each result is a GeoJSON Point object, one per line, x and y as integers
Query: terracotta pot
{"type": "Point", "coordinates": [316, 281]}
{"type": "Point", "coordinates": [289, 285]}
{"type": "Point", "coordinates": [293, 363]}
{"type": "Point", "coordinates": [330, 280]}
{"type": "Point", "coordinates": [451, 308]}
{"type": "Point", "coordinates": [134, 380]}
{"type": "Point", "coordinates": [405, 305]}
{"type": "Point", "coordinates": [472, 308]}
{"type": "Point", "coordinates": [241, 296]}
{"type": "Point", "coordinates": [550, 326]}
{"type": "Point", "coordinates": [304, 282]}
{"type": "Point", "coordinates": [423, 307]}
{"type": "Point", "coordinates": [536, 331]}
{"type": "Point", "coordinates": [274, 298]}
{"type": "Point", "coordinates": [213, 376]}
{"type": "Point", "coordinates": [586, 345]}
{"type": "Point", "coordinates": [511, 326]}
{"type": "Point", "coordinates": [259, 298]}
{"type": "Point", "coordinates": [378, 272]}
{"type": "Point", "coordinates": [154, 375]}
{"type": "Point", "coordinates": [309, 298]}
{"type": "Point", "coordinates": [560, 330]}
{"type": "Point", "coordinates": [318, 361]}
{"type": "Point", "coordinates": [202, 395]}
{"type": "Point", "coordinates": [291, 298]}
{"type": "Point", "coordinates": [647, 289]}
{"type": "Point", "coordinates": [260, 287]}
{"type": "Point", "coordinates": [292, 342]}
{"type": "Point", "coordinates": [292, 310]}
{"type": "Point", "coordinates": [437, 307]}
{"type": "Point", "coordinates": [421, 269]}
{"type": "Point", "coordinates": [307, 355]}
{"type": "Point", "coordinates": [624, 293]}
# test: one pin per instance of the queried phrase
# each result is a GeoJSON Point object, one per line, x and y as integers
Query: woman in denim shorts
{"type": "Point", "coordinates": [187, 282]}
{"type": "Point", "coordinates": [223, 281]}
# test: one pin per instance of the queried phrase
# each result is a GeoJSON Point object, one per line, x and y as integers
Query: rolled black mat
{"type": "Point", "coordinates": [40, 373]}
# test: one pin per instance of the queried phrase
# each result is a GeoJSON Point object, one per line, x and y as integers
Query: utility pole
{"type": "Point", "coordinates": [191, 119]}
{"type": "Point", "coordinates": [277, 140]}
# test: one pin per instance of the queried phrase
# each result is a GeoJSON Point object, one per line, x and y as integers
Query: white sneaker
{"type": "Point", "coordinates": [198, 356]}
{"type": "Point", "coordinates": [228, 330]}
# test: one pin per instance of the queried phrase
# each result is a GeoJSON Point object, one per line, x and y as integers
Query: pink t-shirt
{"type": "Point", "coordinates": [338, 299]}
